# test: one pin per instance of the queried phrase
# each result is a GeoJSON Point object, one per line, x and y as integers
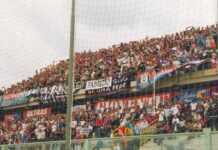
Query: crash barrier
{"type": "Point", "coordinates": [206, 140]}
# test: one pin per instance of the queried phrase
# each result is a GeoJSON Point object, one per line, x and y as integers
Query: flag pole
{"type": "Point", "coordinates": [154, 93]}
{"type": "Point", "coordinates": [70, 97]}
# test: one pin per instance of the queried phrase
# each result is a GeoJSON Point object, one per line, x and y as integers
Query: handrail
{"type": "Point", "coordinates": [114, 138]}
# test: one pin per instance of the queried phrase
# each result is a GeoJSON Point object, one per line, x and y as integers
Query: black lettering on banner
{"type": "Point", "coordinates": [118, 83]}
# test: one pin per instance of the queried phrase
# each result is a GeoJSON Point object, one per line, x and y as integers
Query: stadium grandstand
{"type": "Point", "coordinates": [139, 75]}
{"type": "Point", "coordinates": [155, 86]}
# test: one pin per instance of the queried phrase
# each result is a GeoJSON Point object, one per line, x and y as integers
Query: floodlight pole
{"type": "Point", "coordinates": [154, 93]}
{"type": "Point", "coordinates": [70, 98]}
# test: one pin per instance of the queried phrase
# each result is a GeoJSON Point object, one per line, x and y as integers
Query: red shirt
{"type": "Point", "coordinates": [99, 122]}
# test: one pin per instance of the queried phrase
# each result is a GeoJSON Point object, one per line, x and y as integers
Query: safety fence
{"type": "Point", "coordinates": [205, 140]}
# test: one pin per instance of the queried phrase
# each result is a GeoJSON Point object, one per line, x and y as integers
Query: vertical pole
{"type": "Point", "coordinates": [207, 139]}
{"type": "Point", "coordinates": [154, 93]}
{"type": "Point", "coordinates": [70, 80]}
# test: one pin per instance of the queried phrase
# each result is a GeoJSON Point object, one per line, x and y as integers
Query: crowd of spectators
{"type": "Point", "coordinates": [169, 117]}
{"type": "Point", "coordinates": [129, 58]}
{"type": "Point", "coordinates": [54, 74]}
{"type": "Point", "coordinates": [32, 129]}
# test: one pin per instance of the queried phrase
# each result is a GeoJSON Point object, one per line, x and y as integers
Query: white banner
{"type": "Point", "coordinates": [98, 84]}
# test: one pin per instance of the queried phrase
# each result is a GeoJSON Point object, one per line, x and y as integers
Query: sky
{"type": "Point", "coordinates": [34, 33]}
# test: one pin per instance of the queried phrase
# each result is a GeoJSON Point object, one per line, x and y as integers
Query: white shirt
{"type": "Point", "coordinates": [167, 112]}
{"type": "Point", "coordinates": [161, 116]}
{"type": "Point", "coordinates": [174, 110]}
{"type": "Point", "coordinates": [193, 106]}
{"type": "Point", "coordinates": [175, 121]}
{"type": "Point", "coordinates": [40, 133]}
{"type": "Point", "coordinates": [74, 124]}
{"type": "Point", "coordinates": [54, 127]}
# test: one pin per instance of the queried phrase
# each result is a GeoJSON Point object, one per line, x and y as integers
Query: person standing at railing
{"type": "Point", "coordinates": [213, 116]}
{"type": "Point", "coordinates": [175, 123]}
{"type": "Point", "coordinates": [40, 132]}
{"type": "Point", "coordinates": [99, 126]}
{"type": "Point", "coordinates": [23, 136]}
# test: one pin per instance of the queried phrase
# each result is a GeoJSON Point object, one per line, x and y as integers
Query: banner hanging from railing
{"type": "Point", "coordinates": [14, 102]}
{"type": "Point", "coordinates": [79, 85]}
{"type": "Point", "coordinates": [37, 112]}
{"type": "Point", "coordinates": [146, 79]}
{"type": "Point", "coordinates": [98, 84]}
{"type": "Point", "coordinates": [134, 101]}
{"type": "Point", "coordinates": [117, 84]}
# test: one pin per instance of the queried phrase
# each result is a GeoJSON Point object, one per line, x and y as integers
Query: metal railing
{"type": "Point", "coordinates": [205, 140]}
